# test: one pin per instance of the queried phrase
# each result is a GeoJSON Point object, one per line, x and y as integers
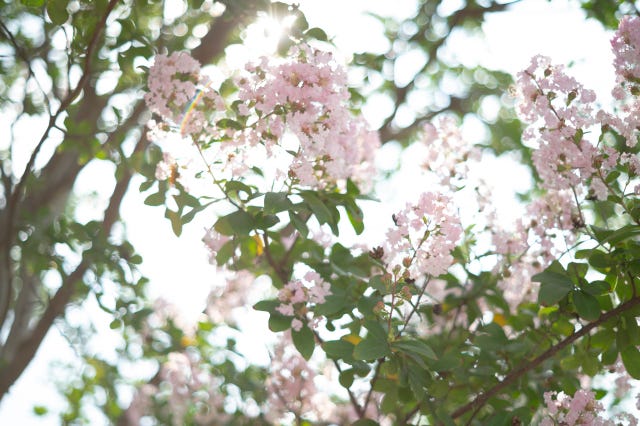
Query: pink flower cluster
{"type": "Point", "coordinates": [214, 241]}
{"type": "Point", "coordinates": [295, 107]}
{"type": "Point", "coordinates": [583, 409]}
{"type": "Point", "coordinates": [448, 153]}
{"type": "Point", "coordinates": [539, 236]}
{"type": "Point", "coordinates": [559, 110]}
{"type": "Point", "coordinates": [291, 387]}
{"type": "Point", "coordinates": [233, 294]}
{"type": "Point", "coordinates": [296, 294]}
{"type": "Point", "coordinates": [180, 94]}
{"type": "Point", "coordinates": [423, 236]}
{"type": "Point", "coordinates": [306, 94]}
{"type": "Point", "coordinates": [626, 50]}
{"type": "Point", "coordinates": [186, 390]}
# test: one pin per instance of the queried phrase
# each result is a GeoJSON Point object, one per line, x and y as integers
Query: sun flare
{"type": "Point", "coordinates": [264, 35]}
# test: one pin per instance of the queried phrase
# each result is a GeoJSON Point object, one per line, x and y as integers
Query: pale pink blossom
{"type": "Point", "coordinates": [306, 94]}
{"type": "Point", "coordinates": [189, 387]}
{"type": "Point", "coordinates": [166, 168]}
{"type": "Point", "coordinates": [559, 111]}
{"type": "Point", "coordinates": [599, 189]}
{"type": "Point", "coordinates": [581, 409]}
{"type": "Point", "coordinates": [214, 241]}
{"type": "Point", "coordinates": [233, 294]}
{"type": "Point", "coordinates": [290, 386]}
{"type": "Point", "coordinates": [300, 294]}
{"type": "Point", "coordinates": [426, 233]}
{"type": "Point", "coordinates": [286, 309]}
{"type": "Point", "coordinates": [448, 154]}
{"type": "Point", "coordinates": [296, 324]}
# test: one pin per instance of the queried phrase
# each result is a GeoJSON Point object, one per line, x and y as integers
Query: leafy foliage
{"type": "Point", "coordinates": [407, 347]}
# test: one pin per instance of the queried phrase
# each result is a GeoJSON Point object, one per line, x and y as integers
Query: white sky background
{"type": "Point", "coordinates": [178, 267]}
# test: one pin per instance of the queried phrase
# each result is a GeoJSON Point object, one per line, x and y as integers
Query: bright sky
{"type": "Point", "coordinates": [179, 268]}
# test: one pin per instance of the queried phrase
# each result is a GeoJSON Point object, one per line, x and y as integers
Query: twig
{"type": "Point", "coordinates": [482, 398]}
{"type": "Point", "coordinates": [14, 199]}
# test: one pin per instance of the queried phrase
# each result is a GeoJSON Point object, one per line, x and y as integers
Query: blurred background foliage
{"type": "Point", "coordinates": [71, 80]}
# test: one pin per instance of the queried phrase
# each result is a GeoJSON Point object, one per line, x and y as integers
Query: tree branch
{"type": "Point", "coordinates": [15, 197]}
{"type": "Point", "coordinates": [527, 366]}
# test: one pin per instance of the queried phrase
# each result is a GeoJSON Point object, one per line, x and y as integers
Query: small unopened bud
{"type": "Point", "coordinates": [406, 262]}
{"type": "Point", "coordinates": [387, 279]}
{"type": "Point", "coordinates": [379, 307]}
{"type": "Point", "coordinates": [406, 292]}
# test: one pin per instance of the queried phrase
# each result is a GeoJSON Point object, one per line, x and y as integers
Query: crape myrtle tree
{"type": "Point", "coordinates": [453, 316]}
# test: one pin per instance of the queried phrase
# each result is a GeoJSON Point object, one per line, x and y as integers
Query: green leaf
{"type": "Point", "coordinates": [417, 381]}
{"type": "Point", "coordinates": [156, 199]}
{"type": "Point", "coordinates": [57, 11]}
{"type": "Point", "coordinates": [346, 378]}
{"type": "Point", "coordinates": [631, 360]}
{"type": "Point", "coordinates": [374, 345]}
{"type": "Point", "coordinates": [355, 215]}
{"type": "Point", "coordinates": [191, 214]}
{"type": "Point", "coordinates": [600, 260]}
{"type": "Point", "coordinates": [553, 287]}
{"type": "Point", "coordinates": [597, 288]}
{"type": "Point", "coordinates": [586, 305]}
{"type": "Point", "coordinates": [147, 184]}
{"type": "Point", "coordinates": [227, 123]}
{"type": "Point", "coordinates": [590, 364]}
{"type": "Point", "coordinates": [266, 305]}
{"type": "Point", "coordinates": [176, 223]}
{"type": "Point", "coordinates": [334, 303]}
{"type": "Point", "coordinates": [226, 252]}
{"type": "Point", "coordinates": [275, 202]}
{"type": "Point", "coordinates": [317, 33]}
{"type": "Point", "coordinates": [577, 137]}
{"type": "Point", "coordinates": [304, 341]}
{"type": "Point", "coordinates": [414, 346]}
{"type": "Point", "coordinates": [299, 224]}
{"type": "Point", "coordinates": [265, 222]}
{"type": "Point", "coordinates": [628, 333]}
{"type": "Point", "coordinates": [615, 174]}
{"type": "Point", "coordinates": [563, 326]}
{"type": "Point", "coordinates": [338, 349]}
{"type": "Point", "coordinates": [237, 186]}
{"type": "Point", "coordinates": [279, 322]}
{"type": "Point", "coordinates": [320, 210]}
{"type": "Point", "coordinates": [32, 3]}
{"type": "Point", "coordinates": [237, 223]}
{"type": "Point", "coordinates": [352, 188]}
{"type": "Point", "coordinates": [40, 410]}
{"type": "Point", "coordinates": [578, 270]}
{"type": "Point", "coordinates": [185, 199]}
{"type": "Point", "coordinates": [622, 234]}
{"type": "Point", "coordinates": [491, 338]}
